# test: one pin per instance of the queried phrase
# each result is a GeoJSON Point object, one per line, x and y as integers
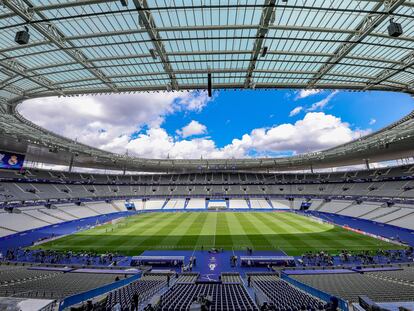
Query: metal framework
{"type": "Point", "coordinates": [89, 47]}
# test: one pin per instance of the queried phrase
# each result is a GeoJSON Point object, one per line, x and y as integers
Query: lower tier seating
{"type": "Point", "coordinates": [32, 217]}
{"type": "Point", "coordinates": [224, 297]}
{"type": "Point", "coordinates": [350, 286]}
{"type": "Point", "coordinates": [283, 296]}
{"type": "Point", "coordinates": [144, 289]}
{"type": "Point", "coordinates": [20, 281]}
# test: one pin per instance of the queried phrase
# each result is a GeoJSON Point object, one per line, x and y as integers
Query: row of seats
{"type": "Point", "coordinates": [21, 281]}
{"type": "Point", "coordinates": [350, 286]}
{"type": "Point", "coordinates": [143, 289]}
{"type": "Point", "coordinates": [282, 295]}
{"type": "Point", "coordinates": [35, 191]}
{"type": "Point", "coordinates": [224, 297]}
{"type": "Point", "coordinates": [32, 217]}
{"type": "Point", "coordinates": [400, 215]}
{"type": "Point", "coordinates": [218, 177]}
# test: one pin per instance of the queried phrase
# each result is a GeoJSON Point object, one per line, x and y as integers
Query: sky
{"type": "Point", "coordinates": [231, 124]}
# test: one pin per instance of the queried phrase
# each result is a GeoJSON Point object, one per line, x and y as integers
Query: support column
{"type": "Point", "coordinates": [72, 157]}
{"type": "Point", "coordinates": [367, 164]}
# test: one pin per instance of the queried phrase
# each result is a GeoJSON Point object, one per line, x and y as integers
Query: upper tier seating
{"type": "Point", "coordinates": [12, 191]}
{"type": "Point", "coordinates": [375, 174]}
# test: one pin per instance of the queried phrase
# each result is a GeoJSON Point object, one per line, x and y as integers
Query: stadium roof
{"type": "Point", "coordinates": [94, 47]}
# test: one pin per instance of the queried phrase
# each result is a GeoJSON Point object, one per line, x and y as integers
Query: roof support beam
{"type": "Point", "coordinates": [98, 89]}
{"type": "Point", "coordinates": [25, 11]}
{"type": "Point", "coordinates": [212, 52]}
{"type": "Point", "coordinates": [406, 62]}
{"type": "Point", "coordinates": [189, 73]}
{"type": "Point", "coordinates": [147, 20]}
{"type": "Point", "coordinates": [364, 29]}
{"type": "Point", "coordinates": [58, 6]}
{"type": "Point", "coordinates": [203, 28]}
{"type": "Point", "coordinates": [20, 70]}
{"type": "Point", "coordinates": [266, 18]}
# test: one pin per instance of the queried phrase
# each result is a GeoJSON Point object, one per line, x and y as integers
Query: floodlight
{"type": "Point", "coordinates": [394, 29]}
{"type": "Point", "coordinates": [23, 36]}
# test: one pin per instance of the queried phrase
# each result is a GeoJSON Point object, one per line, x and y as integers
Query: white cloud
{"type": "Point", "coordinates": [316, 131]}
{"type": "Point", "coordinates": [134, 122]}
{"type": "Point", "coordinates": [295, 111]}
{"type": "Point", "coordinates": [191, 129]}
{"type": "Point", "coordinates": [194, 101]}
{"type": "Point", "coordinates": [322, 103]}
{"type": "Point", "coordinates": [372, 121]}
{"type": "Point", "coordinates": [102, 121]}
{"type": "Point", "coordinates": [306, 93]}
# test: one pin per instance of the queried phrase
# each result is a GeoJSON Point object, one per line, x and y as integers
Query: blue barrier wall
{"type": "Point", "coordinates": [72, 300]}
{"type": "Point", "coordinates": [343, 305]}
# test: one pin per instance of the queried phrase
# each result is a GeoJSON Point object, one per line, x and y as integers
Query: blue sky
{"type": "Point", "coordinates": [244, 123]}
{"type": "Point", "coordinates": [233, 113]}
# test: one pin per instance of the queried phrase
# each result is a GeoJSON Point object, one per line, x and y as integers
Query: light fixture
{"type": "Point", "coordinates": [394, 29]}
{"type": "Point", "coordinates": [153, 53]}
{"type": "Point", "coordinates": [264, 51]}
{"type": "Point", "coordinates": [23, 36]}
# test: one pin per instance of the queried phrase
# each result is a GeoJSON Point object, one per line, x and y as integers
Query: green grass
{"type": "Point", "coordinates": [289, 232]}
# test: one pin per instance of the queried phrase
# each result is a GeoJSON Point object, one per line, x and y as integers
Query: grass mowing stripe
{"type": "Point", "coordinates": [292, 233]}
{"type": "Point", "coordinates": [190, 237]}
{"type": "Point", "coordinates": [281, 240]}
{"type": "Point", "coordinates": [348, 238]}
{"type": "Point", "coordinates": [255, 236]}
{"type": "Point", "coordinates": [84, 238]}
{"type": "Point", "coordinates": [131, 237]}
{"type": "Point", "coordinates": [163, 230]}
{"type": "Point", "coordinates": [296, 241]}
{"type": "Point", "coordinates": [180, 230]}
{"type": "Point", "coordinates": [240, 238]}
{"type": "Point", "coordinates": [223, 234]}
{"type": "Point", "coordinates": [315, 240]}
{"type": "Point", "coordinates": [208, 230]}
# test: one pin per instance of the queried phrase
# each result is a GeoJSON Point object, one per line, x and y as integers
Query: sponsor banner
{"type": "Point", "coordinates": [11, 160]}
{"type": "Point", "coordinates": [321, 221]}
{"type": "Point", "coordinates": [372, 235]}
{"type": "Point", "coordinates": [116, 220]}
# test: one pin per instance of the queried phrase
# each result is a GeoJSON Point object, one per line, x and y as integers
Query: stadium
{"type": "Point", "coordinates": [87, 227]}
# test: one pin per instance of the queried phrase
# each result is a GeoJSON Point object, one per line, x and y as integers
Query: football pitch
{"type": "Point", "coordinates": [291, 233]}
